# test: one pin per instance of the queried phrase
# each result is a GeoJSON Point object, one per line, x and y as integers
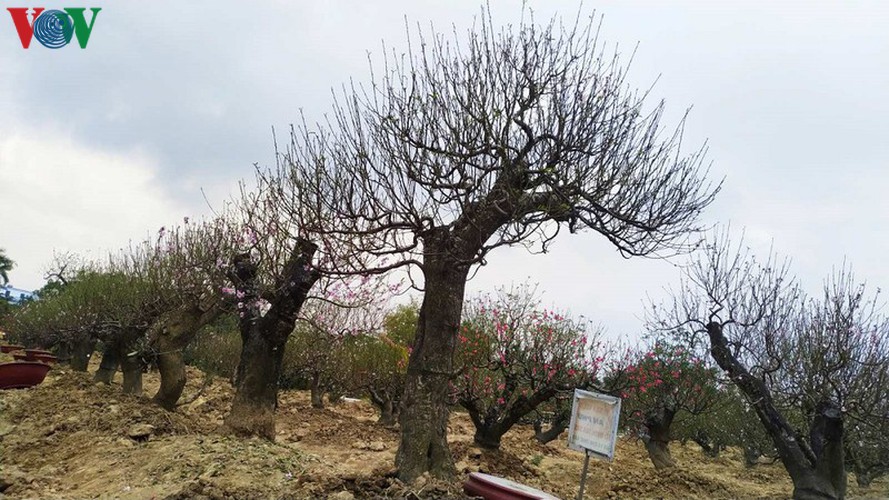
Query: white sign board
{"type": "Point", "coordinates": [593, 427]}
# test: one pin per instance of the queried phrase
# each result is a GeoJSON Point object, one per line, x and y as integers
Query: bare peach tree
{"type": "Point", "coordinates": [270, 275]}
{"type": "Point", "coordinates": [839, 358]}
{"type": "Point", "coordinates": [338, 311]}
{"type": "Point", "coordinates": [65, 321]}
{"type": "Point", "coordinates": [500, 137]}
{"type": "Point", "coordinates": [187, 265]}
{"type": "Point", "coordinates": [795, 359]}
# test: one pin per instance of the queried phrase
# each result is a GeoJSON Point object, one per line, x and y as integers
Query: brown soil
{"type": "Point", "coordinates": [71, 438]}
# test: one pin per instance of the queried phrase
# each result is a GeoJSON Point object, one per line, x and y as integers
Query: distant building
{"type": "Point", "coordinates": [15, 295]}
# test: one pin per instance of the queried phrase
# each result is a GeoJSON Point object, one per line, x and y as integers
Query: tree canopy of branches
{"type": "Point", "coordinates": [658, 385]}
{"type": "Point", "coordinates": [514, 355]}
{"type": "Point", "coordinates": [499, 137]}
{"type": "Point", "coordinates": [107, 304]}
{"type": "Point", "coordinates": [145, 302]}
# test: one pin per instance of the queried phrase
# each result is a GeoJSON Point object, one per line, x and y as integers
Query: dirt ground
{"type": "Point", "coordinates": [70, 438]}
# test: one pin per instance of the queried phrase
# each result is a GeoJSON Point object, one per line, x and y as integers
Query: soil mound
{"type": "Point", "coordinates": [73, 438]}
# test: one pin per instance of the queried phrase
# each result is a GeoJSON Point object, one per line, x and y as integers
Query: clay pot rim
{"type": "Point", "coordinates": [23, 363]}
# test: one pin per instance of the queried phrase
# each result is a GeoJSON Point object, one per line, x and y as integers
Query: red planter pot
{"type": "Point", "coordinates": [496, 488]}
{"type": "Point", "coordinates": [35, 355]}
{"type": "Point", "coordinates": [22, 374]}
{"type": "Point", "coordinates": [10, 348]}
{"type": "Point", "coordinates": [46, 358]}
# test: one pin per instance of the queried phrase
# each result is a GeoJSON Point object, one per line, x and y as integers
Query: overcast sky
{"type": "Point", "coordinates": [172, 101]}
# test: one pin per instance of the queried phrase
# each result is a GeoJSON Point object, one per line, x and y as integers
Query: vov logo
{"type": "Point", "coordinates": [53, 28]}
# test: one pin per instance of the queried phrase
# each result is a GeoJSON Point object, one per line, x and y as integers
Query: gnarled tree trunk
{"type": "Point", "coordinates": [388, 414]}
{"type": "Point", "coordinates": [131, 366]}
{"type": "Point", "coordinates": [253, 409]}
{"type": "Point", "coordinates": [557, 427]}
{"type": "Point", "coordinates": [169, 336]}
{"type": "Point", "coordinates": [171, 368]}
{"type": "Point", "coordinates": [818, 469]}
{"type": "Point", "coordinates": [424, 412]}
{"type": "Point", "coordinates": [264, 338]}
{"type": "Point", "coordinates": [491, 426]}
{"type": "Point", "coordinates": [657, 443]}
{"type": "Point", "coordinates": [710, 448]}
{"type": "Point", "coordinates": [81, 351]}
{"type": "Point", "coordinates": [316, 391]}
{"type": "Point", "coordinates": [63, 352]}
{"type": "Point", "coordinates": [108, 365]}
{"type": "Point", "coordinates": [827, 444]}
{"type": "Point", "coordinates": [865, 472]}
{"type": "Point", "coordinates": [388, 406]}
{"type": "Point", "coordinates": [864, 478]}
{"type": "Point", "coordinates": [447, 255]}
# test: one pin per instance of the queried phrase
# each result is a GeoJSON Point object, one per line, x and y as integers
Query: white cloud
{"type": "Point", "coordinates": [62, 195]}
{"type": "Point", "coordinates": [179, 97]}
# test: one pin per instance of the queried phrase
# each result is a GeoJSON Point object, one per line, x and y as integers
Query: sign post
{"type": "Point", "coordinates": [593, 428]}
{"type": "Point", "coordinates": [586, 466]}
